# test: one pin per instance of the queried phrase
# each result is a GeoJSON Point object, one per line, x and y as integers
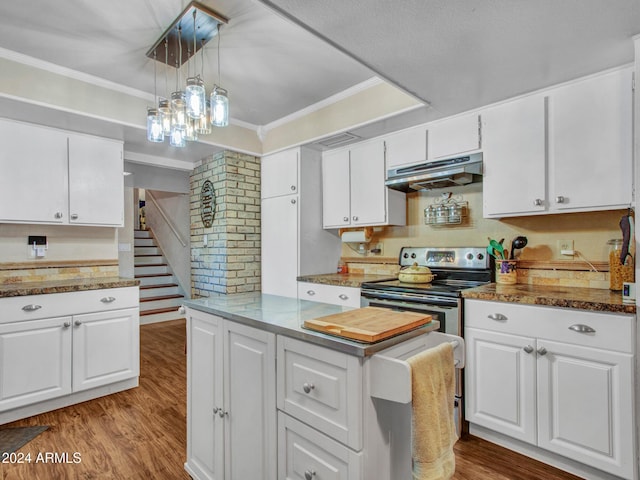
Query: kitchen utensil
{"type": "Point", "coordinates": [625, 226]}
{"type": "Point", "coordinates": [415, 274]}
{"type": "Point", "coordinates": [519, 242]}
{"type": "Point", "coordinates": [368, 324]}
{"type": "Point", "coordinates": [497, 247]}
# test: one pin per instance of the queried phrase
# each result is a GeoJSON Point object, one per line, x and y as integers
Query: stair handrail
{"type": "Point", "coordinates": [166, 218]}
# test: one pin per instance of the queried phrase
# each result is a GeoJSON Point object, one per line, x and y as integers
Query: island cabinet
{"type": "Point", "coordinates": [231, 399]}
{"type": "Point", "coordinates": [265, 405]}
{"type": "Point", "coordinates": [52, 176]}
{"type": "Point", "coordinates": [293, 240]}
{"type": "Point", "coordinates": [555, 378]}
{"type": "Point", "coordinates": [567, 149]}
{"type": "Point", "coordinates": [354, 193]}
{"type": "Point", "coordinates": [64, 348]}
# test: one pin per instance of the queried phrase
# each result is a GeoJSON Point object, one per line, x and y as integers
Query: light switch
{"type": "Point", "coordinates": [205, 240]}
{"type": "Point", "coordinates": [40, 252]}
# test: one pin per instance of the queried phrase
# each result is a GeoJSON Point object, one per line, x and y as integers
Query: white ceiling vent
{"type": "Point", "coordinates": [337, 140]}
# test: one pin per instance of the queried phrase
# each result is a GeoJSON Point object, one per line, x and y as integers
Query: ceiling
{"type": "Point", "coordinates": [280, 56]}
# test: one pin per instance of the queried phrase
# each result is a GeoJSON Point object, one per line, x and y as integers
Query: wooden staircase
{"type": "Point", "coordinates": [160, 295]}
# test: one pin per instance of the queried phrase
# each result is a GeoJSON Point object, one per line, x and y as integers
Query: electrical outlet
{"type": "Point", "coordinates": [376, 249]}
{"type": "Point", "coordinates": [566, 247]}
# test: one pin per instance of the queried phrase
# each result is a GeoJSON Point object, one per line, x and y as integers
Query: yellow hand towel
{"type": "Point", "coordinates": [433, 431]}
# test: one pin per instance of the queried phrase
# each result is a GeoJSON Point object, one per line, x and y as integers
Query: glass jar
{"type": "Point", "coordinates": [442, 214]}
{"type": "Point", "coordinates": [455, 213]}
{"type": "Point", "coordinates": [619, 272]}
{"type": "Point", "coordinates": [430, 215]}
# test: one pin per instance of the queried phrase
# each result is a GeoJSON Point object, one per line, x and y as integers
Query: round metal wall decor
{"type": "Point", "coordinates": [207, 203]}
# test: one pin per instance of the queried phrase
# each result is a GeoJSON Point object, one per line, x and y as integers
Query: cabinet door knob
{"type": "Point", "coordinates": [58, 215]}
{"type": "Point", "coordinates": [537, 202]}
{"type": "Point", "coordinates": [222, 413]}
{"type": "Point", "coordinates": [309, 474]}
{"type": "Point", "coordinates": [77, 323]}
{"type": "Point", "coordinates": [293, 201]}
{"type": "Point", "coordinates": [342, 296]}
{"type": "Point", "coordinates": [215, 410]}
{"type": "Point", "coordinates": [66, 324]}
{"type": "Point", "coordinates": [345, 219]}
{"type": "Point", "coordinates": [108, 299]}
{"type": "Point", "coordinates": [182, 310]}
{"type": "Point", "coordinates": [311, 293]}
{"type": "Point", "coordinates": [497, 316]}
{"type": "Point", "coordinates": [307, 387]}
{"type": "Point", "coordinates": [580, 328]}
{"type": "Point", "coordinates": [355, 219]}
{"type": "Point", "coordinates": [74, 216]}
{"type": "Point", "coordinates": [293, 188]}
{"type": "Point", "coordinates": [542, 351]}
{"type": "Point", "coordinates": [528, 349]}
{"type": "Point", "coordinates": [560, 199]}
{"type": "Point", "coordinates": [31, 308]}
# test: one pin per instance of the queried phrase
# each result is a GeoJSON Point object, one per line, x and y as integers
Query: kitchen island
{"type": "Point", "coordinates": [267, 398]}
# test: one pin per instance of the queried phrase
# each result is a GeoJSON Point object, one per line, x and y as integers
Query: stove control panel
{"type": "Point", "coordinates": [445, 257]}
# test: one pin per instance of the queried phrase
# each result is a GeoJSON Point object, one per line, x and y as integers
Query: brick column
{"type": "Point", "coordinates": [230, 263]}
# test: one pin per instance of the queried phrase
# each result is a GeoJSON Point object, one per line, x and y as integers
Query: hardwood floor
{"type": "Point", "coordinates": [141, 433]}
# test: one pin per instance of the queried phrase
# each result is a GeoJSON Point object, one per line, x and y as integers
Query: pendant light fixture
{"type": "Point", "coordinates": [219, 99]}
{"type": "Point", "coordinates": [194, 93]}
{"type": "Point", "coordinates": [184, 114]}
{"type": "Point", "coordinates": [155, 133]}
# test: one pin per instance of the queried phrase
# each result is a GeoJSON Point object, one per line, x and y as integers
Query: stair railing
{"type": "Point", "coordinates": [175, 231]}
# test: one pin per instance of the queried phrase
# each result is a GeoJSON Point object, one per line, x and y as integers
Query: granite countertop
{"type": "Point", "coordinates": [345, 279]}
{"type": "Point", "coordinates": [63, 286]}
{"type": "Point", "coordinates": [283, 315]}
{"type": "Point", "coordinates": [593, 299]}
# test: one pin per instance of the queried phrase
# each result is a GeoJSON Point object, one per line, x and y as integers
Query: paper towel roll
{"type": "Point", "coordinates": [355, 237]}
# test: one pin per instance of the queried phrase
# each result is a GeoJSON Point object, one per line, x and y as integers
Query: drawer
{"type": "Point", "coordinates": [611, 331]}
{"type": "Point", "coordinates": [304, 453]}
{"type": "Point", "coordinates": [335, 295]}
{"type": "Point", "coordinates": [33, 307]}
{"type": "Point", "coordinates": [322, 388]}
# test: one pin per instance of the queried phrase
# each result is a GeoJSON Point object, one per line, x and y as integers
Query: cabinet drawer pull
{"type": "Point", "coordinates": [66, 324]}
{"type": "Point", "coordinates": [542, 351]}
{"type": "Point", "coordinates": [108, 299]}
{"type": "Point", "coordinates": [528, 349]}
{"type": "Point", "coordinates": [74, 216]}
{"type": "Point", "coordinates": [77, 323]}
{"type": "Point", "coordinates": [307, 387]}
{"type": "Point", "coordinates": [497, 316]}
{"type": "Point", "coordinates": [342, 296]}
{"type": "Point", "coordinates": [311, 293]}
{"type": "Point", "coordinates": [31, 308]}
{"type": "Point", "coordinates": [580, 328]}
{"type": "Point", "coordinates": [309, 474]}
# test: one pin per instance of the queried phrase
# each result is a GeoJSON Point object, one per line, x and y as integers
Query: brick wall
{"type": "Point", "coordinates": [230, 263]}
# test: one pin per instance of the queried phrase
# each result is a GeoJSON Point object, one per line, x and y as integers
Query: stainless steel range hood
{"type": "Point", "coordinates": [445, 173]}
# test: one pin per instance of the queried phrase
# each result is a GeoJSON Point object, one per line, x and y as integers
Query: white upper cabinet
{"type": "Point", "coordinates": [353, 189]}
{"type": "Point", "coordinates": [34, 180]}
{"type": "Point", "coordinates": [56, 177]}
{"type": "Point", "coordinates": [590, 143]}
{"type": "Point", "coordinates": [279, 173]}
{"type": "Point", "coordinates": [454, 136]}
{"type": "Point", "coordinates": [406, 147]}
{"type": "Point", "coordinates": [514, 181]}
{"type": "Point", "coordinates": [96, 182]}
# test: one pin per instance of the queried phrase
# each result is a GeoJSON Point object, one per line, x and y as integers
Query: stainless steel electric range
{"type": "Point", "coordinates": [455, 269]}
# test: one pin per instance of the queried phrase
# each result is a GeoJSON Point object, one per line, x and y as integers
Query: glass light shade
{"type": "Point", "coordinates": [178, 110]}
{"type": "Point", "coordinates": [219, 107]}
{"type": "Point", "coordinates": [204, 122]}
{"type": "Point", "coordinates": [194, 97]}
{"type": "Point", "coordinates": [177, 136]}
{"type": "Point", "coordinates": [155, 133]}
{"type": "Point", "coordinates": [191, 133]}
{"type": "Point", "coordinates": [164, 107]}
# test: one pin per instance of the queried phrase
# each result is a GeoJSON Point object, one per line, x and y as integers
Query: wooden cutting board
{"type": "Point", "coordinates": [368, 324]}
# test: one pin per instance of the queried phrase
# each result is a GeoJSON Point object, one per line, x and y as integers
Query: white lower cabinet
{"type": "Point", "coordinates": [231, 400]}
{"type": "Point", "coordinates": [333, 294]}
{"type": "Point", "coordinates": [58, 357]}
{"type": "Point", "coordinates": [560, 379]}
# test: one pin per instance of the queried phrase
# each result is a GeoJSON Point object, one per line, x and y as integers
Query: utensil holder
{"type": "Point", "coordinates": [506, 272]}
